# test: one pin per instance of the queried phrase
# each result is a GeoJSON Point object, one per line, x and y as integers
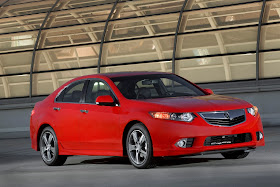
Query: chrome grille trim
{"type": "Point", "coordinates": [227, 118]}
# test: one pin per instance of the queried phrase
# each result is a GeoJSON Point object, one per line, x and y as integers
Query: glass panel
{"type": "Point", "coordinates": [2, 91]}
{"type": "Point", "coordinates": [274, 12]}
{"type": "Point", "coordinates": [16, 63]}
{"type": "Point", "coordinates": [270, 65]}
{"type": "Point", "coordinates": [17, 42]}
{"type": "Point", "coordinates": [202, 70]}
{"type": "Point", "coordinates": [139, 50]}
{"type": "Point", "coordinates": [86, 3]}
{"type": "Point", "coordinates": [81, 15]}
{"type": "Point", "coordinates": [16, 2]}
{"type": "Point", "coordinates": [243, 67]}
{"type": "Point", "coordinates": [21, 23]}
{"type": "Point", "coordinates": [215, 3]}
{"type": "Point", "coordinates": [66, 58]}
{"type": "Point", "coordinates": [96, 89]}
{"type": "Point", "coordinates": [218, 42]}
{"type": "Point", "coordinates": [24, 7]}
{"type": "Point", "coordinates": [150, 7]}
{"type": "Point", "coordinates": [221, 18]}
{"type": "Point", "coordinates": [218, 69]}
{"type": "Point", "coordinates": [271, 34]}
{"type": "Point", "coordinates": [165, 66]}
{"type": "Point", "coordinates": [73, 93]}
{"type": "Point", "coordinates": [146, 25]}
{"type": "Point", "coordinates": [46, 83]}
{"type": "Point", "coordinates": [19, 85]}
{"type": "Point", "coordinates": [74, 35]}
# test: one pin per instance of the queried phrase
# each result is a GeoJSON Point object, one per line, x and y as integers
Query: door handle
{"type": "Point", "coordinates": [84, 111]}
{"type": "Point", "coordinates": [56, 108]}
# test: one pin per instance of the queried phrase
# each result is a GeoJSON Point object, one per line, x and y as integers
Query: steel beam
{"type": "Point", "coordinates": [109, 33]}
{"type": "Point", "coordinates": [176, 34]}
{"type": "Point", "coordinates": [258, 41]}
{"type": "Point", "coordinates": [104, 34]}
{"type": "Point", "coordinates": [5, 81]}
{"type": "Point", "coordinates": [263, 39]}
{"type": "Point", "coordinates": [36, 46]}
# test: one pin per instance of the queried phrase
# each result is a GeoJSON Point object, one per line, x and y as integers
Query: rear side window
{"type": "Point", "coordinates": [72, 94]}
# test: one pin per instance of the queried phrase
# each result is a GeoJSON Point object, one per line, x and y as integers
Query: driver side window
{"type": "Point", "coordinates": [97, 88]}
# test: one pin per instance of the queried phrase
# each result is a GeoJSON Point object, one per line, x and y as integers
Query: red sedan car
{"type": "Point", "coordinates": [141, 115]}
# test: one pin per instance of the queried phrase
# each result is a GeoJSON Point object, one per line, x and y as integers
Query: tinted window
{"type": "Point", "coordinates": [95, 89]}
{"type": "Point", "coordinates": [73, 93]}
{"type": "Point", "coordinates": [155, 86]}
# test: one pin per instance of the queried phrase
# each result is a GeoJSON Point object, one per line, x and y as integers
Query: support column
{"type": "Point", "coordinates": [104, 34]}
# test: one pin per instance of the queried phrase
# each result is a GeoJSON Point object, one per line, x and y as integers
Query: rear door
{"type": "Point", "coordinates": [69, 117]}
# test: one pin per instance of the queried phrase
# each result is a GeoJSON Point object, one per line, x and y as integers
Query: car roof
{"type": "Point", "coordinates": [124, 74]}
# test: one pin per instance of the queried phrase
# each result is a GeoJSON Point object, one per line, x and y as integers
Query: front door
{"type": "Point", "coordinates": [101, 129]}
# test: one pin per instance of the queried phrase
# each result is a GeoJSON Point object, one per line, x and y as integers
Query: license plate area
{"type": "Point", "coordinates": [227, 139]}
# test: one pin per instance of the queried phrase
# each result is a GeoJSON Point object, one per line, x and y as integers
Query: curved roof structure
{"type": "Point", "coordinates": [44, 43]}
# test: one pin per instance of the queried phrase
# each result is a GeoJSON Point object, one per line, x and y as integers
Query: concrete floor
{"type": "Point", "coordinates": [21, 166]}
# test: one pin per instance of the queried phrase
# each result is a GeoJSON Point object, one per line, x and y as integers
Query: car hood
{"type": "Point", "coordinates": [200, 103]}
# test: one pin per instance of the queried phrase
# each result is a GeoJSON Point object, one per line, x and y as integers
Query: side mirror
{"type": "Point", "coordinates": [105, 100]}
{"type": "Point", "coordinates": [209, 91]}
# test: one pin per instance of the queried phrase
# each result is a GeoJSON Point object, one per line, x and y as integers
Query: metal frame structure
{"type": "Point", "coordinates": [176, 35]}
{"type": "Point", "coordinates": [104, 34]}
{"type": "Point", "coordinates": [36, 46]}
{"type": "Point", "coordinates": [107, 33]}
{"type": "Point", "coordinates": [258, 41]}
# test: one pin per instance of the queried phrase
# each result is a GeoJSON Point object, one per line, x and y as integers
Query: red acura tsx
{"type": "Point", "coordinates": [142, 115]}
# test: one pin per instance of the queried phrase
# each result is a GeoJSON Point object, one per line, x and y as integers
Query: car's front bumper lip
{"type": "Point", "coordinates": [246, 149]}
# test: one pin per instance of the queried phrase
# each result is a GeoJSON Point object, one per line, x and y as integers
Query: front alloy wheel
{"type": "Point", "coordinates": [49, 148]}
{"type": "Point", "coordinates": [139, 147]}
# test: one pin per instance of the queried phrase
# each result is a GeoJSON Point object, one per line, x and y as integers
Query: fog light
{"type": "Point", "coordinates": [182, 143]}
{"type": "Point", "coordinates": [185, 142]}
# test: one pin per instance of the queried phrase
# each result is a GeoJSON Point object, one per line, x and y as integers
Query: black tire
{"type": "Point", "coordinates": [49, 145]}
{"type": "Point", "coordinates": [235, 154]}
{"type": "Point", "coordinates": [145, 161]}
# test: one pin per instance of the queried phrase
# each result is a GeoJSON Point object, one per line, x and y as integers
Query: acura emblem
{"type": "Point", "coordinates": [227, 115]}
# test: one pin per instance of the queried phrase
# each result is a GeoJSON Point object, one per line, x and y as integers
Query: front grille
{"type": "Point", "coordinates": [227, 139]}
{"type": "Point", "coordinates": [224, 118]}
{"type": "Point", "coordinates": [226, 122]}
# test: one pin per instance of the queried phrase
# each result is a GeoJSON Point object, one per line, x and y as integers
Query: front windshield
{"type": "Point", "coordinates": [155, 86]}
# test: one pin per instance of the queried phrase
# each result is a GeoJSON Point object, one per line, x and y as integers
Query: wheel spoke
{"type": "Point", "coordinates": [134, 135]}
{"type": "Point", "coordinates": [52, 150]}
{"type": "Point", "coordinates": [137, 158]}
{"type": "Point", "coordinates": [50, 138]}
{"type": "Point", "coordinates": [49, 155]}
{"type": "Point", "coordinates": [44, 149]}
{"type": "Point", "coordinates": [131, 147]}
{"type": "Point", "coordinates": [45, 139]}
{"type": "Point", "coordinates": [143, 153]}
{"type": "Point", "coordinates": [142, 139]}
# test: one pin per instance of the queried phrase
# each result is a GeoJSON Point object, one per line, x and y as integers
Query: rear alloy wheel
{"type": "Point", "coordinates": [235, 154]}
{"type": "Point", "coordinates": [139, 147]}
{"type": "Point", "coordinates": [49, 148]}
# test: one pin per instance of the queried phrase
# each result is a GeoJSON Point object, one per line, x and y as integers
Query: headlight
{"type": "Point", "coordinates": [187, 117]}
{"type": "Point", "coordinates": [253, 111]}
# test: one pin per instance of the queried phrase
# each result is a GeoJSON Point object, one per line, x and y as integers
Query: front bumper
{"type": "Point", "coordinates": [166, 133]}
